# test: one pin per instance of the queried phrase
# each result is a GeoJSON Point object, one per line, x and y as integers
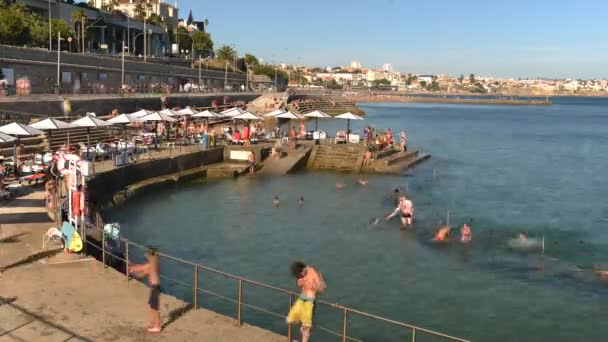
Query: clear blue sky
{"type": "Point", "coordinates": [509, 38]}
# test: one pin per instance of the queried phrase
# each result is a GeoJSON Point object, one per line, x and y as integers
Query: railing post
{"type": "Point", "coordinates": [127, 259]}
{"type": "Point", "coordinates": [344, 327]}
{"type": "Point", "coordinates": [289, 324]}
{"type": "Point", "coordinates": [240, 300]}
{"type": "Point", "coordinates": [413, 334]}
{"type": "Point", "coordinates": [103, 242]}
{"type": "Point", "coordinates": [195, 287]}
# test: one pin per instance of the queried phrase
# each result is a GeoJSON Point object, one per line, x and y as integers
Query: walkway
{"type": "Point", "coordinates": [52, 296]}
{"type": "Point", "coordinates": [53, 97]}
{"type": "Point", "coordinates": [280, 167]}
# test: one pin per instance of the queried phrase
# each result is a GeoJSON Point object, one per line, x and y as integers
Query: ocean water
{"type": "Point", "coordinates": [503, 169]}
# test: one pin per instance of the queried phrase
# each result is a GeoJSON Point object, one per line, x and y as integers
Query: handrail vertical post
{"type": "Point", "coordinates": [195, 287]}
{"type": "Point", "coordinates": [413, 334]}
{"type": "Point", "coordinates": [103, 241]}
{"type": "Point", "coordinates": [240, 300]}
{"type": "Point", "coordinates": [289, 324]}
{"type": "Point", "coordinates": [127, 258]}
{"type": "Point", "coordinates": [344, 327]}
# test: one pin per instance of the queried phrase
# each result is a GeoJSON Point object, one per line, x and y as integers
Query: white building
{"type": "Point", "coordinates": [167, 12]}
{"type": "Point", "coordinates": [355, 65]}
{"type": "Point", "coordinates": [374, 75]}
{"type": "Point", "coordinates": [387, 67]}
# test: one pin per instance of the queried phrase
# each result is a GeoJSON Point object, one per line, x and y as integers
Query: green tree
{"type": "Point", "coordinates": [61, 26]}
{"type": "Point", "coordinates": [226, 52]}
{"type": "Point", "coordinates": [14, 24]}
{"type": "Point", "coordinates": [472, 78]}
{"type": "Point", "coordinates": [423, 84]}
{"type": "Point", "coordinates": [184, 38]}
{"type": "Point", "coordinates": [110, 5]}
{"type": "Point", "coordinates": [139, 12]}
{"type": "Point", "coordinates": [155, 19]}
{"type": "Point", "coordinates": [251, 60]}
{"type": "Point", "coordinates": [461, 78]}
{"type": "Point", "coordinates": [382, 82]}
{"type": "Point", "coordinates": [269, 71]}
{"type": "Point", "coordinates": [203, 44]}
{"type": "Point", "coordinates": [80, 16]}
{"type": "Point", "coordinates": [39, 30]}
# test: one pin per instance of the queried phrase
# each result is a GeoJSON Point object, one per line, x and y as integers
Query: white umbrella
{"type": "Point", "coordinates": [5, 138]}
{"type": "Point", "coordinates": [167, 111]}
{"type": "Point", "coordinates": [186, 111]}
{"type": "Point", "coordinates": [207, 114]}
{"type": "Point", "coordinates": [317, 114]}
{"type": "Point", "coordinates": [90, 122]}
{"type": "Point", "coordinates": [290, 116]}
{"type": "Point", "coordinates": [232, 112]}
{"type": "Point", "coordinates": [348, 116]}
{"type": "Point", "coordinates": [274, 113]}
{"type": "Point", "coordinates": [157, 117]}
{"type": "Point", "coordinates": [228, 110]}
{"type": "Point", "coordinates": [247, 116]}
{"type": "Point", "coordinates": [18, 129]}
{"type": "Point", "coordinates": [124, 119]}
{"type": "Point", "coordinates": [141, 112]}
{"type": "Point", "coordinates": [50, 125]}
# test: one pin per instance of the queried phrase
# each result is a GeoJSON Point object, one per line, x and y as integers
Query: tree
{"type": "Point", "coordinates": [61, 26]}
{"type": "Point", "coordinates": [184, 38]}
{"type": "Point", "coordinates": [80, 16]}
{"type": "Point", "coordinates": [139, 12]}
{"type": "Point", "coordinates": [110, 5]}
{"type": "Point", "coordinates": [39, 30]}
{"type": "Point", "coordinates": [13, 24]}
{"type": "Point", "coordinates": [423, 84]}
{"type": "Point", "coordinates": [155, 19]}
{"type": "Point", "coordinates": [269, 71]}
{"type": "Point", "coordinates": [472, 78]}
{"type": "Point", "coordinates": [226, 52]}
{"type": "Point", "coordinates": [382, 82]}
{"type": "Point", "coordinates": [203, 45]}
{"type": "Point", "coordinates": [251, 60]}
{"type": "Point", "coordinates": [461, 78]}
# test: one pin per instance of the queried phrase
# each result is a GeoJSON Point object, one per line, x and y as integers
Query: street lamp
{"type": "Point", "coordinates": [59, 39]}
{"type": "Point", "coordinates": [50, 29]}
{"type": "Point", "coordinates": [135, 41]}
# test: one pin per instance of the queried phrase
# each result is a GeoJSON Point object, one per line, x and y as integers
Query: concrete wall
{"type": "Point", "coordinates": [103, 186]}
{"type": "Point", "coordinates": [94, 74]}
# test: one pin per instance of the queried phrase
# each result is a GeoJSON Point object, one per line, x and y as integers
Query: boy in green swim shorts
{"type": "Point", "coordinates": [310, 281]}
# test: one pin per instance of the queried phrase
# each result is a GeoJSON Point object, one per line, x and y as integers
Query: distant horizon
{"type": "Point", "coordinates": [518, 39]}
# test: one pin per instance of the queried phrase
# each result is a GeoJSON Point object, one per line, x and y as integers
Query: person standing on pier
{"type": "Point", "coordinates": [311, 282]}
{"type": "Point", "coordinates": [151, 270]}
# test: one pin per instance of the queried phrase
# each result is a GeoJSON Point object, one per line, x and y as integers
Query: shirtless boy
{"type": "Point", "coordinates": [310, 281]}
{"type": "Point", "coordinates": [151, 270]}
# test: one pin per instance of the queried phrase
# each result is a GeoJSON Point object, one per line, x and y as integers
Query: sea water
{"type": "Point", "coordinates": [501, 169]}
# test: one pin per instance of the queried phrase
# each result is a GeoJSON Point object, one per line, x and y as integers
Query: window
{"type": "Point", "coordinates": [84, 77]}
{"type": "Point", "coordinates": [9, 76]}
{"type": "Point", "coordinates": [141, 78]}
{"type": "Point", "coordinates": [66, 77]}
{"type": "Point", "coordinates": [102, 76]}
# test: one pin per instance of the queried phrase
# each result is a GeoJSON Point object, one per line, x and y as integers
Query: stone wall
{"type": "Point", "coordinates": [103, 187]}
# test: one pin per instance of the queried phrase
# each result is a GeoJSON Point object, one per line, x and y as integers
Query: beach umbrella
{"type": "Point", "coordinates": [274, 113]}
{"type": "Point", "coordinates": [140, 113]}
{"type": "Point", "coordinates": [124, 119]}
{"type": "Point", "coordinates": [207, 114]}
{"type": "Point", "coordinates": [156, 117]}
{"type": "Point", "coordinates": [50, 125]}
{"type": "Point", "coordinates": [247, 116]}
{"type": "Point", "coordinates": [232, 112]}
{"type": "Point", "coordinates": [317, 114]}
{"type": "Point", "coordinates": [167, 111]}
{"type": "Point", "coordinates": [348, 116]}
{"type": "Point", "coordinates": [5, 138]}
{"type": "Point", "coordinates": [186, 111]}
{"type": "Point", "coordinates": [19, 130]}
{"type": "Point", "coordinates": [290, 116]}
{"type": "Point", "coordinates": [89, 122]}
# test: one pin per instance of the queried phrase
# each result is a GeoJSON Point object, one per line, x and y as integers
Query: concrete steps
{"type": "Point", "coordinates": [336, 157]}
{"type": "Point", "coordinates": [394, 158]}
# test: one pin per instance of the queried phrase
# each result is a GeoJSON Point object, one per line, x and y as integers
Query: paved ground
{"type": "Point", "coordinates": [52, 97]}
{"type": "Point", "coordinates": [280, 167]}
{"type": "Point", "coordinates": [45, 296]}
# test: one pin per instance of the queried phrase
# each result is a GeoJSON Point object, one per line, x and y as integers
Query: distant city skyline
{"type": "Point", "coordinates": [515, 39]}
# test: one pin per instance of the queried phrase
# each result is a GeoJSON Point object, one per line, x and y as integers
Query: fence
{"type": "Point", "coordinates": [242, 282]}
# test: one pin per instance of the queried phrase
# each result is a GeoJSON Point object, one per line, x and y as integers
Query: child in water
{"type": "Point", "coordinates": [443, 234]}
{"type": "Point", "coordinates": [310, 281]}
{"type": "Point", "coordinates": [151, 270]}
{"type": "Point", "coordinates": [465, 233]}
{"type": "Point", "coordinates": [276, 201]}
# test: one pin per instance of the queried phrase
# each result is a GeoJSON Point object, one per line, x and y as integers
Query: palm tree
{"type": "Point", "coordinates": [226, 52]}
{"type": "Point", "coordinates": [80, 16]}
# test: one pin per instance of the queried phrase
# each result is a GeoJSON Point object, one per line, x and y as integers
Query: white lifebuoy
{"type": "Point", "coordinates": [63, 162]}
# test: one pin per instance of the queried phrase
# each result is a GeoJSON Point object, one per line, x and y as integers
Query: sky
{"type": "Point", "coordinates": [508, 38]}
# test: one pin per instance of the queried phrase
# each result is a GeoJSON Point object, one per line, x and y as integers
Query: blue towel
{"type": "Point", "coordinates": [67, 231]}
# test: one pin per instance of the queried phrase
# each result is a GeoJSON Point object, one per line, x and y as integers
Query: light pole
{"type": "Point", "coordinates": [128, 36]}
{"type": "Point", "coordinates": [226, 77]}
{"type": "Point", "coordinates": [122, 71]}
{"type": "Point", "coordinates": [145, 41]}
{"type": "Point", "coordinates": [58, 62]}
{"type": "Point", "coordinates": [200, 61]}
{"type": "Point", "coordinates": [50, 29]}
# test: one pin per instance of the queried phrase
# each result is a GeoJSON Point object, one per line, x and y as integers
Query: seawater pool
{"type": "Point", "coordinates": [505, 169]}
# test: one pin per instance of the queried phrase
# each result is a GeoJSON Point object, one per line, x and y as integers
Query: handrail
{"type": "Point", "coordinates": [242, 280]}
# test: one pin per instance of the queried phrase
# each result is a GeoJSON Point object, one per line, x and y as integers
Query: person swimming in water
{"type": "Point", "coordinates": [465, 233]}
{"type": "Point", "coordinates": [362, 182]}
{"type": "Point", "coordinates": [310, 281]}
{"type": "Point", "coordinates": [340, 185]}
{"type": "Point", "coordinates": [406, 210]}
{"type": "Point", "coordinates": [443, 234]}
{"type": "Point", "coordinates": [301, 200]}
{"type": "Point", "coordinates": [276, 201]}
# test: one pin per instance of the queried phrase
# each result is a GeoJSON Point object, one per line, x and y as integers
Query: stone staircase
{"type": "Point", "coordinates": [337, 157]}
{"type": "Point", "coordinates": [267, 103]}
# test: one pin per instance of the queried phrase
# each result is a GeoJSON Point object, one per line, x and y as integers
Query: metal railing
{"type": "Point", "coordinates": [241, 282]}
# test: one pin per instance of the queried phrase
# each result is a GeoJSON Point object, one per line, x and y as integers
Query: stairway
{"type": "Point", "coordinates": [337, 157]}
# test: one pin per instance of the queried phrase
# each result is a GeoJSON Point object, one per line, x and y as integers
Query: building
{"type": "Point", "coordinates": [355, 65]}
{"type": "Point", "coordinates": [374, 75]}
{"type": "Point", "coordinates": [191, 25]}
{"type": "Point", "coordinates": [387, 67]}
{"type": "Point", "coordinates": [167, 12]}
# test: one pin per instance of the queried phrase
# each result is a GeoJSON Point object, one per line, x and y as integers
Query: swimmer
{"type": "Point", "coordinates": [374, 221]}
{"type": "Point", "coordinates": [406, 210]}
{"type": "Point", "coordinates": [443, 234]}
{"type": "Point", "coordinates": [276, 201]}
{"type": "Point", "coordinates": [301, 200]}
{"type": "Point", "coordinates": [363, 182]}
{"type": "Point", "coordinates": [340, 185]}
{"type": "Point", "coordinates": [465, 233]}
{"type": "Point", "coordinates": [523, 237]}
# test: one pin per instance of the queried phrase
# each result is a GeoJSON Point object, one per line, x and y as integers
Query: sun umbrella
{"type": "Point", "coordinates": [246, 116]}
{"type": "Point", "coordinates": [167, 111]}
{"type": "Point", "coordinates": [348, 116]}
{"type": "Point", "coordinates": [186, 111]}
{"type": "Point", "coordinates": [124, 119]}
{"type": "Point", "coordinates": [317, 114]}
{"type": "Point", "coordinates": [5, 138]}
{"type": "Point", "coordinates": [228, 110]}
{"type": "Point", "coordinates": [207, 114]}
{"type": "Point", "coordinates": [141, 112]}
{"type": "Point", "coordinates": [157, 117]}
{"type": "Point", "coordinates": [90, 122]}
{"type": "Point", "coordinates": [19, 130]}
{"type": "Point", "coordinates": [274, 113]}
{"type": "Point", "coordinates": [232, 112]}
{"type": "Point", "coordinates": [290, 116]}
{"type": "Point", "coordinates": [50, 125]}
